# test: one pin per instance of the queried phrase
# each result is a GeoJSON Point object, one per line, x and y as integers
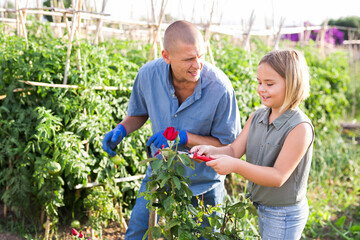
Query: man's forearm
{"type": "Point", "coordinates": [133, 123]}
{"type": "Point", "coordinates": [194, 140]}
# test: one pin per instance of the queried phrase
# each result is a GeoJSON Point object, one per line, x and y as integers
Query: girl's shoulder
{"type": "Point", "coordinates": [300, 116]}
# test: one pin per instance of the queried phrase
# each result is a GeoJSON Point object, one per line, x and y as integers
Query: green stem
{"type": "Point", "coordinates": [338, 231]}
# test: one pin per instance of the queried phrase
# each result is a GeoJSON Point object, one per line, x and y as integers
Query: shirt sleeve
{"type": "Point", "coordinates": [227, 125]}
{"type": "Point", "coordinates": [137, 103]}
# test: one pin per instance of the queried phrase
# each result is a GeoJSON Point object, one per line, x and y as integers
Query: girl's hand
{"type": "Point", "coordinates": [222, 164]}
{"type": "Point", "coordinates": [205, 150]}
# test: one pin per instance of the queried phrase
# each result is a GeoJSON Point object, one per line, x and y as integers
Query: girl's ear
{"type": "Point", "coordinates": [166, 56]}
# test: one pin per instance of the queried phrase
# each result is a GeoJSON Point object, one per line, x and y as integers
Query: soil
{"type": "Point", "coordinates": [111, 232]}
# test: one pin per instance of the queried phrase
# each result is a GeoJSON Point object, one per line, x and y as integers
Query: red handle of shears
{"type": "Point", "coordinates": [201, 157]}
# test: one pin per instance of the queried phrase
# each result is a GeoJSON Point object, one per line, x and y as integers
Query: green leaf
{"type": "Point", "coordinates": [180, 170]}
{"type": "Point", "coordinates": [340, 222]}
{"type": "Point", "coordinates": [171, 224]}
{"type": "Point", "coordinates": [177, 182]}
{"type": "Point", "coordinates": [355, 228]}
{"type": "Point", "coordinates": [164, 181]}
{"type": "Point", "coordinates": [147, 160]}
{"type": "Point", "coordinates": [156, 164]}
{"type": "Point", "coordinates": [156, 232]}
{"type": "Point", "coordinates": [186, 161]}
{"type": "Point", "coordinates": [170, 159]}
{"type": "Point", "coordinates": [169, 203]}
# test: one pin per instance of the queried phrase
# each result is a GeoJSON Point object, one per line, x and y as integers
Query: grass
{"type": "Point", "coordinates": [333, 191]}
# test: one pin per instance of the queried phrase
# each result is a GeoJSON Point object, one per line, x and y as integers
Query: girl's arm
{"type": "Point", "coordinates": [236, 149]}
{"type": "Point", "coordinates": [293, 150]}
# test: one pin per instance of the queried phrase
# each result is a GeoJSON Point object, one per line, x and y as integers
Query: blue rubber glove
{"type": "Point", "coordinates": [183, 138]}
{"type": "Point", "coordinates": [113, 138]}
{"type": "Point", "coordinates": [158, 139]}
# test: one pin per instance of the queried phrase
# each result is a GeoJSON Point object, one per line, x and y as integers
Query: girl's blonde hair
{"type": "Point", "coordinates": [291, 65]}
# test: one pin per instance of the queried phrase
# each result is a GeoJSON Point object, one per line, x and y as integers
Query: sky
{"type": "Point", "coordinates": [267, 12]}
{"type": "Point", "coordinates": [234, 12]}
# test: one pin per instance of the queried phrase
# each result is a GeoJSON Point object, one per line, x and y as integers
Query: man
{"type": "Point", "coordinates": [183, 91]}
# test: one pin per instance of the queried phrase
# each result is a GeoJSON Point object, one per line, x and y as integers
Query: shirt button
{"type": "Point", "coordinates": [174, 96]}
{"type": "Point", "coordinates": [175, 115]}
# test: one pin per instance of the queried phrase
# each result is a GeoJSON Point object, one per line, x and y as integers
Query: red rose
{"type": "Point", "coordinates": [170, 133]}
{"type": "Point", "coordinates": [74, 232]}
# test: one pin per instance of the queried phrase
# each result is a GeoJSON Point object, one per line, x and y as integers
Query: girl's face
{"type": "Point", "coordinates": [271, 87]}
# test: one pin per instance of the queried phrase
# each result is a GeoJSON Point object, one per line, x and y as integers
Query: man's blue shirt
{"type": "Point", "coordinates": [211, 110]}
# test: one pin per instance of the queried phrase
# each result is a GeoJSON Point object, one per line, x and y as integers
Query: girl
{"type": "Point", "coordinates": [278, 142]}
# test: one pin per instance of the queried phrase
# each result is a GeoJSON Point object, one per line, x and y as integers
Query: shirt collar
{"type": "Point", "coordinates": [278, 122]}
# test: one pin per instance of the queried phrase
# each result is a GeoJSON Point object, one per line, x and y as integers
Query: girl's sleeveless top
{"type": "Point", "coordinates": [263, 146]}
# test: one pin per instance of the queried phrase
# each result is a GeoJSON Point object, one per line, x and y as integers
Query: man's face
{"type": "Point", "coordinates": [186, 61]}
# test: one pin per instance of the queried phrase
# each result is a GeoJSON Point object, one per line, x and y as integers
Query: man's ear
{"type": "Point", "coordinates": [166, 56]}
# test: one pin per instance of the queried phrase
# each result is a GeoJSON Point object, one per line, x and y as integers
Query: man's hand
{"type": "Point", "coordinates": [113, 138]}
{"type": "Point", "coordinates": [159, 140]}
{"type": "Point", "coordinates": [183, 138]}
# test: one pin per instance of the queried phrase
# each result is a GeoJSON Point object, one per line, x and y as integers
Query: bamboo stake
{"type": "Point", "coordinates": [208, 34]}
{"type": "Point", "coordinates": [122, 222]}
{"type": "Point", "coordinates": [77, 36]}
{"type": "Point", "coordinates": [104, 88]}
{"type": "Point", "coordinates": [54, 19]}
{"type": "Point", "coordinates": [78, 18]}
{"type": "Point", "coordinates": [7, 188]}
{"type": "Point", "coordinates": [23, 28]}
{"type": "Point", "coordinates": [67, 26]}
{"type": "Point", "coordinates": [321, 42]}
{"type": "Point", "coordinates": [307, 33]}
{"type": "Point", "coordinates": [17, 17]}
{"type": "Point", "coordinates": [278, 35]}
{"type": "Point", "coordinates": [99, 25]}
{"type": "Point", "coordinates": [39, 16]}
{"type": "Point", "coordinates": [152, 222]}
{"type": "Point", "coordinates": [73, 29]}
{"type": "Point", "coordinates": [246, 43]}
{"type": "Point", "coordinates": [153, 52]}
{"type": "Point", "coordinates": [47, 228]}
{"type": "Point", "coordinates": [116, 180]}
{"type": "Point", "coordinates": [71, 86]}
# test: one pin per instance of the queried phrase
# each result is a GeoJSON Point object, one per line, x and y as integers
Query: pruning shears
{"type": "Point", "coordinates": [189, 154]}
{"type": "Point", "coordinates": [196, 156]}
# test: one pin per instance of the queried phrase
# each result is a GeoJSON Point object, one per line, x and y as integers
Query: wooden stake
{"type": "Point", "coordinates": [153, 51]}
{"type": "Point", "coordinates": [17, 17]}
{"type": "Point", "coordinates": [47, 228]}
{"type": "Point", "coordinates": [153, 220]}
{"type": "Point", "coordinates": [73, 29]}
{"type": "Point", "coordinates": [22, 26]}
{"type": "Point", "coordinates": [7, 188]}
{"type": "Point", "coordinates": [321, 42]}
{"type": "Point", "coordinates": [246, 43]}
{"type": "Point", "coordinates": [99, 26]}
{"type": "Point", "coordinates": [278, 35]}
{"type": "Point", "coordinates": [207, 35]}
